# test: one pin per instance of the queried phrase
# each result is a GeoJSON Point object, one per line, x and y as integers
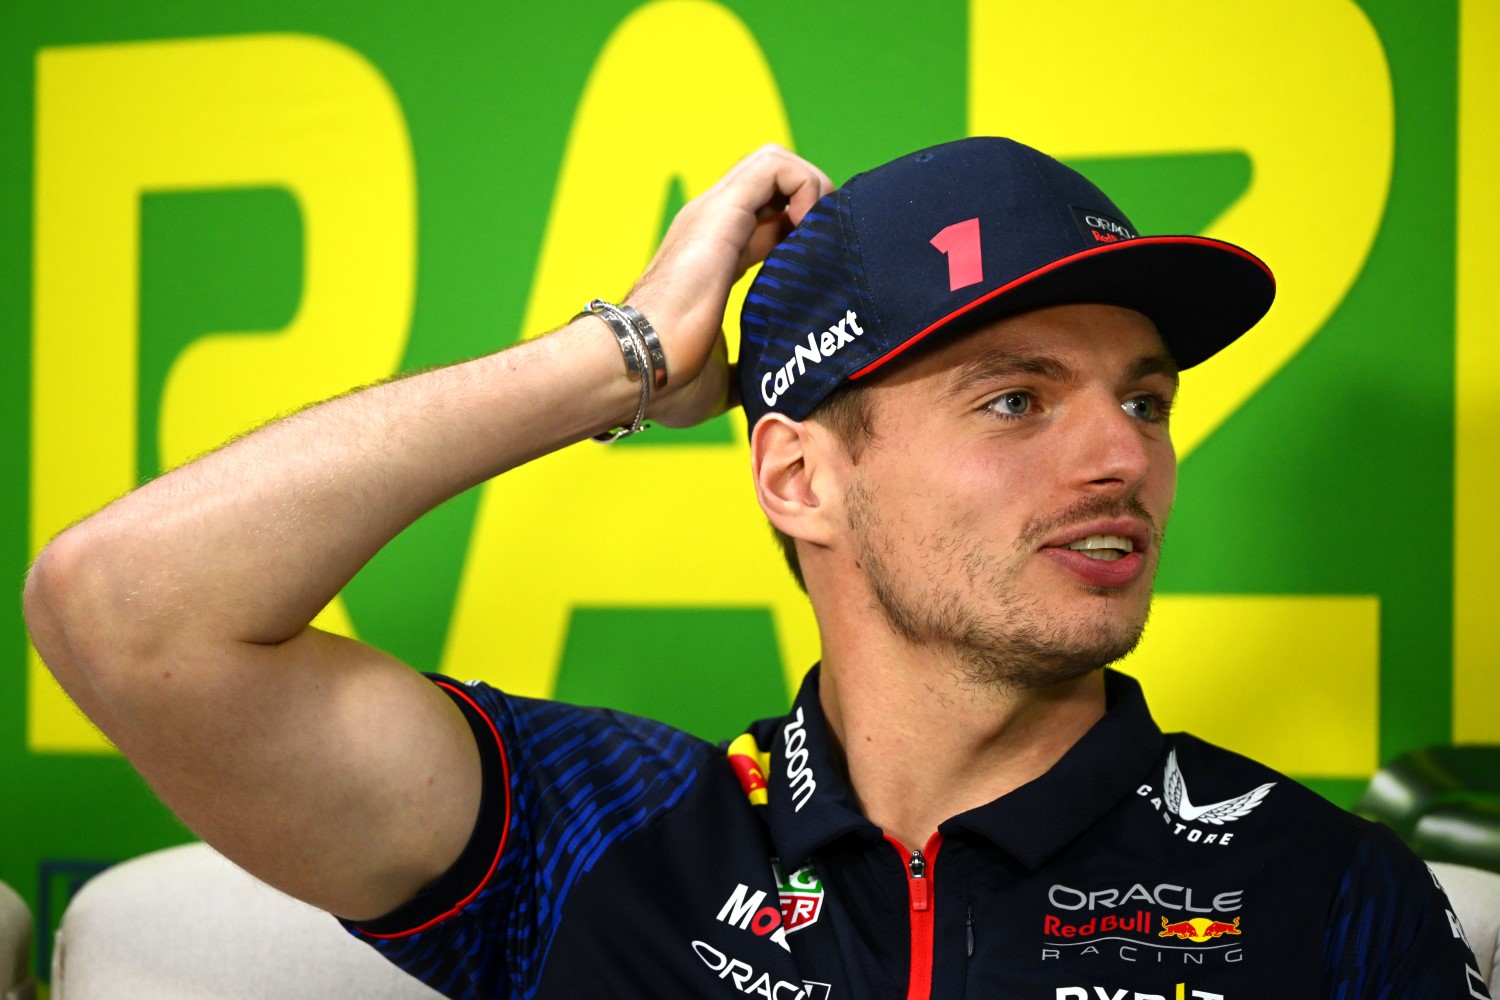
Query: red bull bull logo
{"type": "Point", "coordinates": [1198, 929]}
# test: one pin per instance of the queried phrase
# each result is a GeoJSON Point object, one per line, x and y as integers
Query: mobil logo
{"type": "Point", "coordinates": [747, 909]}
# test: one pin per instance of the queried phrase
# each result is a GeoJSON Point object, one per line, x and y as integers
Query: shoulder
{"type": "Point", "coordinates": [565, 768]}
{"type": "Point", "coordinates": [1392, 930]}
{"type": "Point", "coordinates": [1210, 787]}
{"type": "Point", "coordinates": [542, 729]}
{"type": "Point", "coordinates": [1235, 814]}
{"type": "Point", "coordinates": [1357, 865]}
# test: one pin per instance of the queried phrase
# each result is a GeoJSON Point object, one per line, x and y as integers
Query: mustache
{"type": "Point", "coordinates": [1038, 529]}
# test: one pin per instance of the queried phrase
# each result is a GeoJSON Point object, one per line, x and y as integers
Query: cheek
{"type": "Point", "coordinates": [1018, 468]}
{"type": "Point", "coordinates": [1162, 485]}
{"type": "Point", "coordinates": [991, 490]}
{"type": "Point", "coordinates": [929, 496]}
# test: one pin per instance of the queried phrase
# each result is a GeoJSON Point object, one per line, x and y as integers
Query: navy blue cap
{"type": "Point", "coordinates": [963, 233]}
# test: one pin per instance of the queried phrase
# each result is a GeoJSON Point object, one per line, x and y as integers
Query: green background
{"type": "Point", "coordinates": [1336, 478]}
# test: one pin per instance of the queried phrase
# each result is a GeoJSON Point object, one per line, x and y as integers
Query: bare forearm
{"type": "Point", "coordinates": [248, 543]}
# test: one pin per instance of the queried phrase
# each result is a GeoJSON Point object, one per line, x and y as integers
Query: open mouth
{"type": "Point", "coordinates": [1103, 548]}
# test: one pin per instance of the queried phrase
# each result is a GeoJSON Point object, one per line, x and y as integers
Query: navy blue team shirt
{"type": "Point", "coordinates": [618, 857]}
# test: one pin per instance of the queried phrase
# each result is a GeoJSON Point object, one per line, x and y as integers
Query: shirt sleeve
{"type": "Point", "coordinates": [1392, 933]}
{"type": "Point", "coordinates": [562, 785]}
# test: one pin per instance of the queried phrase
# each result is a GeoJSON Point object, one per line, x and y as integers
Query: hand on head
{"type": "Point", "coordinates": [714, 240]}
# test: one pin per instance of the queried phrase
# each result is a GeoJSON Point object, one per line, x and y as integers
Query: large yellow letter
{"type": "Point", "coordinates": [1303, 88]}
{"type": "Point", "coordinates": [114, 121]}
{"type": "Point", "coordinates": [548, 536]}
{"type": "Point", "coordinates": [1476, 595]}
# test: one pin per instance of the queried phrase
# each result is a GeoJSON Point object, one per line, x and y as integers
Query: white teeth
{"type": "Point", "coordinates": [1105, 548]}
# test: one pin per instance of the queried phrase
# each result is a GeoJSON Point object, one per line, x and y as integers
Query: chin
{"type": "Point", "coordinates": [1041, 652]}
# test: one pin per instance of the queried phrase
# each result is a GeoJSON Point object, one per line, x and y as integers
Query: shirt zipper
{"type": "Point", "coordinates": [922, 912]}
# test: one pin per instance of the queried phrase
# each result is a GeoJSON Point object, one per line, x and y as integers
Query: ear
{"type": "Point", "coordinates": [791, 476]}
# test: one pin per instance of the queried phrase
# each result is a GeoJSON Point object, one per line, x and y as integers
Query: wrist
{"type": "Point", "coordinates": [598, 393]}
{"type": "Point", "coordinates": [641, 352]}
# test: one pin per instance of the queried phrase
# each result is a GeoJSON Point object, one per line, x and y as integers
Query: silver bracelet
{"type": "Point", "coordinates": [653, 344]}
{"type": "Point", "coordinates": [637, 358]}
{"type": "Point", "coordinates": [624, 331]}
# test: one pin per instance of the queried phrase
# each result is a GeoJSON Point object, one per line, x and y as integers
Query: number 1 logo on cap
{"type": "Point", "coordinates": [960, 242]}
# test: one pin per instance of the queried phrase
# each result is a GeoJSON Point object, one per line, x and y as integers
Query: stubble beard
{"type": "Point", "coordinates": [1005, 640]}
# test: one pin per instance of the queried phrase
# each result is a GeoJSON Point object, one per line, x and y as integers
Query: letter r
{"type": "Point", "coordinates": [115, 121]}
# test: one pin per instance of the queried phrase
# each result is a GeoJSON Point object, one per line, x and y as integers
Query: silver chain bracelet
{"type": "Point", "coordinates": [641, 349]}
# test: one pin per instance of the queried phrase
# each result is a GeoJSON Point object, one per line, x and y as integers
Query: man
{"type": "Point", "coordinates": [958, 372]}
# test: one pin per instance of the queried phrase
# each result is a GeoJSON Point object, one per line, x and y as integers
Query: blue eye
{"type": "Point", "coordinates": [1148, 408]}
{"type": "Point", "coordinates": [1012, 404]}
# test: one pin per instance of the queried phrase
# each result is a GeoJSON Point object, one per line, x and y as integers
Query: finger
{"type": "Point", "coordinates": [794, 186]}
{"type": "Point", "coordinates": [798, 182]}
{"type": "Point", "coordinates": [763, 240]}
{"type": "Point", "coordinates": [772, 210]}
{"type": "Point", "coordinates": [773, 177]}
{"type": "Point", "coordinates": [813, 188]}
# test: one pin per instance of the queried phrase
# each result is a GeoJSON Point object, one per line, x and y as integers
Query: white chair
{"type": "Point", "coordinates": [16, 980]}
{"type": "Point", "coordinates": [1475, 895]}
{"type": "Point", "coordinates": [186, 923]}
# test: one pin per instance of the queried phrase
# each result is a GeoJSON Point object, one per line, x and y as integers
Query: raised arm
{"type": "Point", "coordinates": [178, 616]}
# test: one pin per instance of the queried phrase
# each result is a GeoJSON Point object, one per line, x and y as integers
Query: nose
{"type": "Point", "coordinates": [1114, 449]}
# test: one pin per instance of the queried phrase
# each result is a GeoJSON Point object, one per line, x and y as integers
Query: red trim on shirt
{"type": "Point", "coordinates": [458, 692]}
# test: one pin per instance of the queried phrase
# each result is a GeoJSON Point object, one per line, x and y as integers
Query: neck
{"type": "Point", "coordinates": [923, 743]}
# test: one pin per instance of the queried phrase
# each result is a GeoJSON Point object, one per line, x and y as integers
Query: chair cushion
{"type": "Point", "coordinates": [1475, 896]}
{"type": "Point", "coordinates": [185, 922]}
{"type": "Point", "coordinates": [16, 981]}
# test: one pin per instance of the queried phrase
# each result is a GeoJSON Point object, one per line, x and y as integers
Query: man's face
{"type": "Point", "coordinates": [1010, 507]}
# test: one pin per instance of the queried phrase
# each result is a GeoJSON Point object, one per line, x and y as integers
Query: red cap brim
{"type": "Point", "coordinates": [1202, 294]}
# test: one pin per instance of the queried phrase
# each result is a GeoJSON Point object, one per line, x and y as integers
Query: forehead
{"type": "Point", "coordinates": [1066, 342]}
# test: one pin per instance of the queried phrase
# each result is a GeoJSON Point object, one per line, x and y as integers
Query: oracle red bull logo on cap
{"type": "Point", "coordinates": [1101, 228]}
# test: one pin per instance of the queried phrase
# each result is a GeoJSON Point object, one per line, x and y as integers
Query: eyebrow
{"type": "Point", "coordinates": [1154, 364]}
{"type": "Point", "coordinates": [1000, 367]}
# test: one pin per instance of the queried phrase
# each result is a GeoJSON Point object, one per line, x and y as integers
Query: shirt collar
{"type": "Point", "coordinates": [1039, 819]}
{"type": "Point", "coordinates": [810, 802]}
